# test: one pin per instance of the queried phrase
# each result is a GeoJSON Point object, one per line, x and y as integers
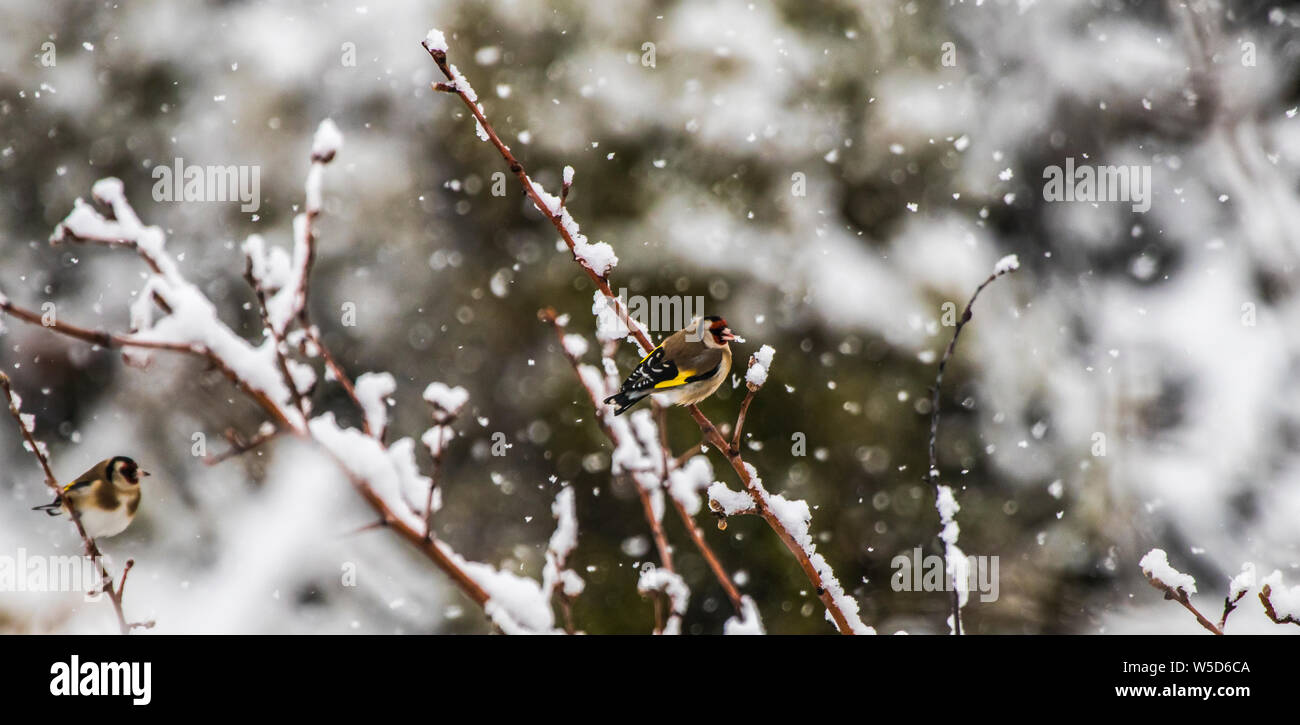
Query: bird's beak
{"type": "Point", "coordinates": [145, 473]}
{"type": "Point", "coordinates": [729, 336]}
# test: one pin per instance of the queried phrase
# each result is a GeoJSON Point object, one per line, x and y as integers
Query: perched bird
{"type": "Point", "coordinates": [685, 369]}
{"type": "Point", "coordinates": [105, 497]}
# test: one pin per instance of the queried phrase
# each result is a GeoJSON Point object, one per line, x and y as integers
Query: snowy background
{"type": "Point", "coordinates": [1163, 335]}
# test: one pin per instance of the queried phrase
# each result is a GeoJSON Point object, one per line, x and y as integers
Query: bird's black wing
{"type": "Point", "coordinates": [650, 373]}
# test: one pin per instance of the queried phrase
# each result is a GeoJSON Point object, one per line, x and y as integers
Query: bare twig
{"type": "Point", "coordinates": [740, 420]}
{"type": "Point", "coordinates": [336, 370]}
{"type": "Point", "coordinates": [1228, 606]}
{"type": "Point", "coordinates": [1180, 596]}
{"type": "Point", "coordinates": [239, 445]}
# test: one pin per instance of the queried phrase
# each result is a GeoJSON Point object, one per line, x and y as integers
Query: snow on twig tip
{"type": "Point", "coordinates": [556, 575]}
{"type": "Point", "coordinates": [435, 40]}
{"type": "Point", "coordinates": [446, 401]}
{"type": "Point", "coordinates": [1155, 565]}
{"type": "Point", "coordinates": [327, 142]}
{"type": "Point", "coordinates": [759, 363]}
{"type": "Point", "coordinates": [1243, 582]}
{"type": "Point", "coordinates": [1280, 603]}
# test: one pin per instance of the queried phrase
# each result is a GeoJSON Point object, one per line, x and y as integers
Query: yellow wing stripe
{"type": "Point", "coordinates": [679, 380]}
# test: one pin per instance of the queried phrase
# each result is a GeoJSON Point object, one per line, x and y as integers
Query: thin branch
{"type": "Point", "coordinates": [94, 337]}
{"type": "Point", "coordinates": [239, 445]}
{"type": "Point", "coordinates": [320, 157]}
{"type": "Point", "coordinates": [966, 314]}
{"type": "Point", "coordinates": [1180, 596]}
{"type": "Point", "coordinates": [277, 337]}
{"type": "Point", "coordinates": [556, 216]}
{"type": "Point", "coordinates": [740, 417]}
{"type": "Point", "coordinates": [336, 370]}
{"type": "Point", "coordinates": [715, 565]}
{"type": "Point", "coordinates": [697, 535]}
{"type": "Point", "coordinates": [943, 364]}
{"type": "Point", "coordinates": [1228, 606]}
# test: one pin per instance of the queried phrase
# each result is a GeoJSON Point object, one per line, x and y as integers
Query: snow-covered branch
{"type": "Point", "coordinates": [1281, 604]}
{"type": "Point", "coordinates": [172, 314]}
{"type": "Point", "coordinates": [557, 576]}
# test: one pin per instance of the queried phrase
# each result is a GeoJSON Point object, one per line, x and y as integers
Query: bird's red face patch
{"type": "Point", "coordinates": [721, 333]}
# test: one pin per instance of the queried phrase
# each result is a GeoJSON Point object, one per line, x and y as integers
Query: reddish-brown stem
{"type": "Point", "coordinates": [740, 417]}
{"type": "Point", "coordinates": [656, 527]}
{"type": "Point", "coordinates": [1180, 596]}
{"type": "Point", "coordinates": [94, 337]}
{"type": "Point", "coordinates": [114, 340]}
{"type": "Point", "coordinates": [335, 368]}
{"type": "Point", "coordinates": [566, 606]}
{"type": "Point", "coordinates": [1228, 606]}
{"type": "Point", "coordinates": [433, 486]}
{"type": "Point", "coordinates": [239, 445]}
{"type": "Point", "coordinates": [715, 565]}
{"type": "Point", "coordinates": [277, 337]}
{"type": "Point", "coordinates": [687, 455]}
{"type": "Point", "coordinates": [130, 564]}
{"type": "Point", "coordinates": [555, 217]}
{"type": "Point", "coordinates": [431, 547]}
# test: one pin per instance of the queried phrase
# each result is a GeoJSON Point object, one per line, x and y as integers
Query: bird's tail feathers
{"type": "Point", "coordinates": [624, 401]}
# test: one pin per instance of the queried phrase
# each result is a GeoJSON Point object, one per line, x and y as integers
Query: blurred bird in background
{"type": "Point", "coordinates": [105, 497]}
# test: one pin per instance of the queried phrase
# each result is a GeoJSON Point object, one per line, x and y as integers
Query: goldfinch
{"type": "Point", "coordinates": [685, 369]}
{"type": "Point", "coordinates": [105, 497]}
